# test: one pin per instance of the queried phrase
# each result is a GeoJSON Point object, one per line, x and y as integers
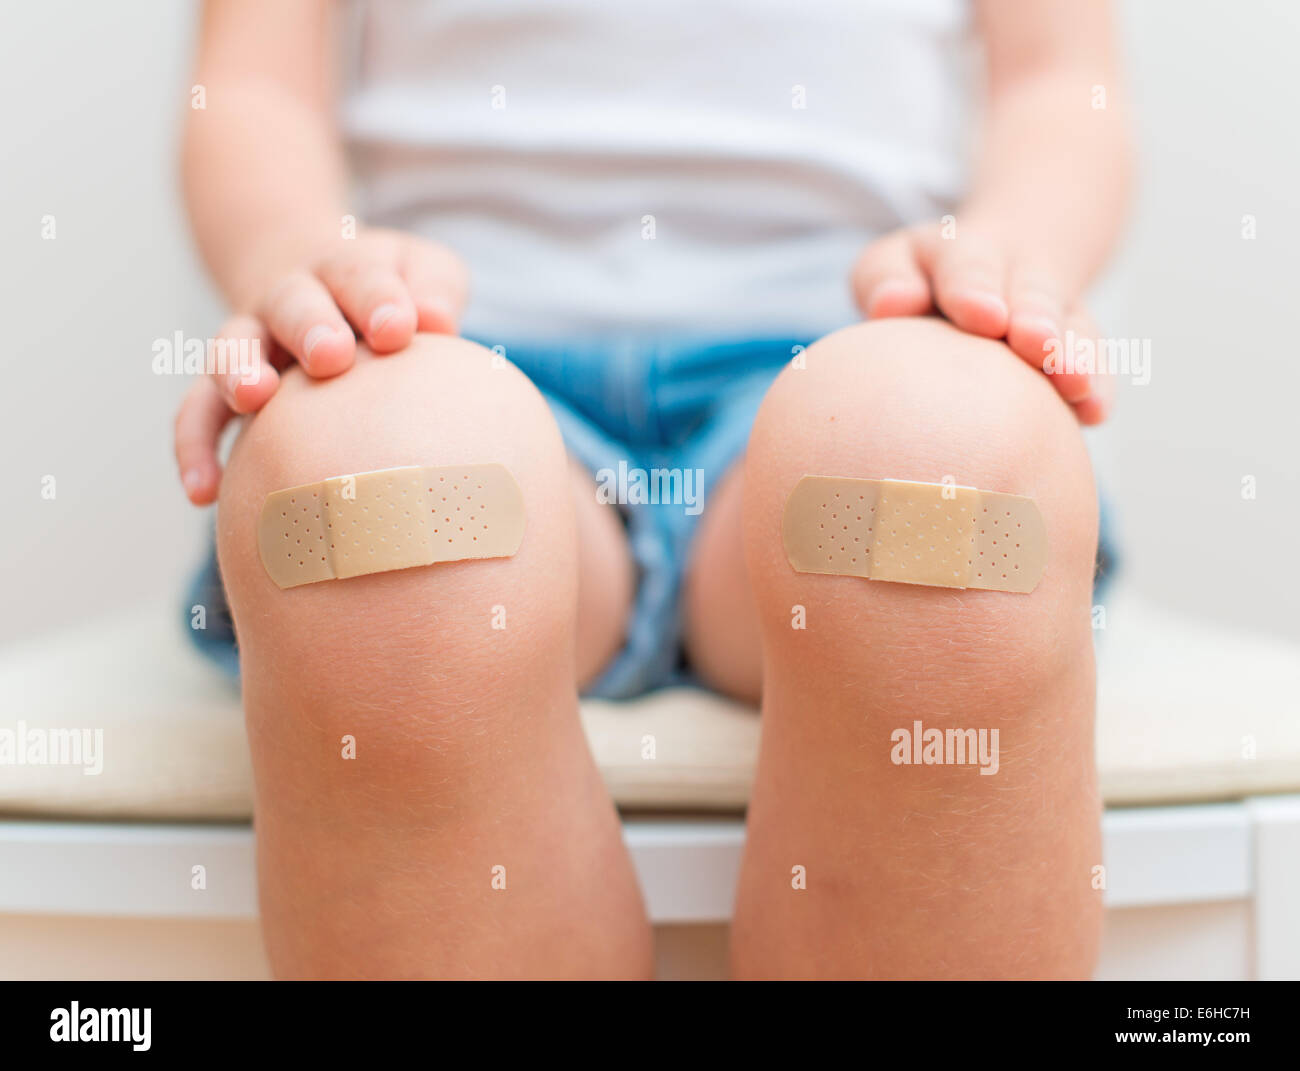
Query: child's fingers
{"type": "Point", "coordinates": [304, 319]}
{"type": "Point", "coordinates": [1094, 402]}
{"type": "Point", "coordinates": [439, 285]}
{"type": "Point", "coordinates": [968, 275]}
{"type": "Point", "coordinates": [240, 365]}
{"type": "Point", "coordinates": [1092, 410]}
{"type": "Point", "coordinates": [1037, 330]}
{"type": "Point", "coordinates": [202, 415]}
{"type": "Point", "coordinates": [1037, 312]}
{"type": "Point", "coordinates": [374, 298]}
{"type": "Point", "coordinates": [887, 281]}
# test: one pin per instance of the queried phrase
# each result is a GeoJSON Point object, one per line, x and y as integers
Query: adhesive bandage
{"type": "Point", "coordinates": [374, 522]}
{"type": "Point", "coordinates": [937, 534]}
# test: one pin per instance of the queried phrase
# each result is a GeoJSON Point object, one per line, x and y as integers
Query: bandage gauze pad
{"type": "Point", "coordinates": [374, 522]}
{"type": "Point", "coordinates": [937, 534]}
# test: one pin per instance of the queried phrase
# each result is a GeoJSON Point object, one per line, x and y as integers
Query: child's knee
{"type": "Point", "coordinates": [446, 635]}
{"type": "Point", "coordinates": [917, 400]}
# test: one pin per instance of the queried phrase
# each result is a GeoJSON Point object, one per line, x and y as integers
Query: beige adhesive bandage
{"type": "Point", "coordinates": [374, 522]}
{"type": "Point", "coordinates": [915, 533]}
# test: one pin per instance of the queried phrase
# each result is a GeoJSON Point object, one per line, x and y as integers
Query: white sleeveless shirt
{"type": "Point", "coordinates": [668, 166]}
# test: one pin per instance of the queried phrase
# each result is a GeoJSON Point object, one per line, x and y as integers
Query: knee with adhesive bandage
{"type": "Point", "coordinates": [399, 518]}
{"type": "Point", "coordinates": [939, 535]}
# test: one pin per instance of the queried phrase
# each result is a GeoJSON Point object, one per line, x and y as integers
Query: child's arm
{"type": "Point", "coordinates": [265, 182]}
{"type": "Point", "coordinates": [1048, 195]}
{"type": "Point", "coordinates": [261, 163]}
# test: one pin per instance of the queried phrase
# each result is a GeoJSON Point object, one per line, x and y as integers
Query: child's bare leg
{"type": "Point", "coordinates": [920, 871]}
{"type": "Point", "coordinates": [469, 752]}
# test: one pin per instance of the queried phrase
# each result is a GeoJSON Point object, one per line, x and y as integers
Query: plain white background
{"type": "Point", "coordinates": [91, 99]}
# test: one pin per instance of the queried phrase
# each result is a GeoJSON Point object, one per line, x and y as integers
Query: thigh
{"type": "Point", "coordinates": [721, 619]}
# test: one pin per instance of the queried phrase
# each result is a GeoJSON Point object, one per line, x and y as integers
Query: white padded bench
{"type": "Point", "coordinates": [1198, 749]}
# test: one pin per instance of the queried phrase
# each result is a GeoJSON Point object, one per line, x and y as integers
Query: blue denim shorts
{"type": "Point", "coordinates": [658, 424]}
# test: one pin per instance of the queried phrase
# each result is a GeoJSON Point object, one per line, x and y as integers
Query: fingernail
{"type": "Point", "coordinates": [193, 480]}
{"type": "Point", "coordinates": [315, 337]}
{"type": "Point", "coordinates": [381, 316]}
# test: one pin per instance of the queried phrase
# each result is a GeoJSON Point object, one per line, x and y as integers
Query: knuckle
{"type": "Point", "coordinates": [449, 265]}
{"type": "Point", "coordinates": [867, 260]}
{"type": "Point", "coordinates": [381, 284]}
{"type": "Point", "coordinates": [287, 294]}
{"type": "Point", "coordinates": [1034, 282]}
{"type": "Point", "coordinates": [240, 326]}
{"type": "Point", "coordinates": [964, 269]}
{"type": "Point", "coordinates": [300, 312]}
{"type": "Point", "coordinates": [348, 269]}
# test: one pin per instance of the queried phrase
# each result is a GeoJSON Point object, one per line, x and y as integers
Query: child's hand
{"type": "Point", "coordinates": [982, 286]}
{"type": "Point", "coordinates": [382, 285]}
